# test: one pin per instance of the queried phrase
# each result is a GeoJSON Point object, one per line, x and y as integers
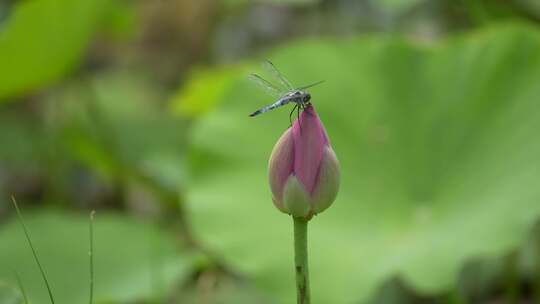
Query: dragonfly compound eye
{"type": "Point", "coordinates": [307, 97]}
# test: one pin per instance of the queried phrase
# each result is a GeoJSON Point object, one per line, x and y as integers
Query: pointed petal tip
{"type": "Point", "coordinates": [310, 140]}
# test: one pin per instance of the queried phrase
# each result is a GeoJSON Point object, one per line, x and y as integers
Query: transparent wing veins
{"type": "Point", "coordinates": [310, 85]}
{"type": "Point", "coordinates": [265, 85]}
{"type": "Point", "coordinates": [268, 65]}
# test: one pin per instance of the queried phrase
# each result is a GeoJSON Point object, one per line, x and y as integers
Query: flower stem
{"type": "Point", "coordinates": [301, 260]}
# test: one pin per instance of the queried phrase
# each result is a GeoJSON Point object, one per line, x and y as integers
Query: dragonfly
{"type": "Point", "coordinates": [285, 92]}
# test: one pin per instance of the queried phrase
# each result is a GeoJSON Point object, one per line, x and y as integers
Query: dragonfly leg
{"type": "Point", "coordinates": [298, 116]}
{"type": "Point", "coordinates": [290, 114]}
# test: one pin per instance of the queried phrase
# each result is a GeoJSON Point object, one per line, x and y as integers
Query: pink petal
{"type": "Point", "coordinates": [327, 182]}
{"type": "Point", "coordinates": [295, 198]}
{"type": "Point", "coordinates": [310, 140]}
{"type": "Point", "coordinates": [280, 167]}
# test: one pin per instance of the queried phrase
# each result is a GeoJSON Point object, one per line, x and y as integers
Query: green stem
{"type": "Point", "coordinates": [301, 260]}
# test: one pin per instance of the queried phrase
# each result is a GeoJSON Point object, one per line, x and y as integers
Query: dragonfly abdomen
{"type": "Point", "coordinates": [277, 104]}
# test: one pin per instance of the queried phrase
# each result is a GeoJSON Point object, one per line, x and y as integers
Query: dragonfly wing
{"type": "Point", "coordinates": [265, 85]}
{"type": "Point", "coordinates": [310, 85]}
{"type": "Point", "coordinates": [269, 66]}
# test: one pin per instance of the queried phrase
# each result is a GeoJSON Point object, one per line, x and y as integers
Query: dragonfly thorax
{"type": "Point", "coordinates": [299, 97]}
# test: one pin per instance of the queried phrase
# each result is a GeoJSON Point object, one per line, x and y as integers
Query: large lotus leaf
{"type": "Point", "coordinates": [42, 39]}
{"type": "Point", "coordinates": [439, 150]}
{"type": "Point", "coordinates": [133, 260]}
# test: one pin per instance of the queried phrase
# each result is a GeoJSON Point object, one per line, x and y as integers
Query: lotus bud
{"type": "Point", "coordinates": [303, 168]}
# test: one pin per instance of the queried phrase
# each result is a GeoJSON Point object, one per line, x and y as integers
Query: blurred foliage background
{"type": "Point", "coordinates": [138, 109]}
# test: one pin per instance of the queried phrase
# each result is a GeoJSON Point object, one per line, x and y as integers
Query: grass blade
{"type": "Point", "coordinates": [19, 215]}
{"type": "Point", "coordinates": [21, 288]}
{"type": "Point", "coordinates": [91, 254]}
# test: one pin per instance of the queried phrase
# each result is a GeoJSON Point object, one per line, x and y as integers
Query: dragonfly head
{"type": "Point", "coordinates": [306, 98]}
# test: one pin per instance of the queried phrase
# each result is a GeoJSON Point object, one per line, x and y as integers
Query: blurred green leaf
{"type": "Point", "coordinates": [10, 294]}
{"type": "Point", "coordinates": [202, 93]}
{"type": "Point", "coordinates": [133, 260]}
{"type": "Point", "coordinates": [114, 124]}
{"type": "Point", "coordinates": [22, 138]}
{"type": "Point", "coordinates": [439, 150]}
{"type": "Point", "coordinates": [531, 6]}
{"type": "Point", "coordinates": [398, 6]}
{"type": "Point", "coordinates": [44, 39]}
{"type": "Point", "coordinates": [233, 3]}
{"type": "Point", "coordinates": [212, 288]}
